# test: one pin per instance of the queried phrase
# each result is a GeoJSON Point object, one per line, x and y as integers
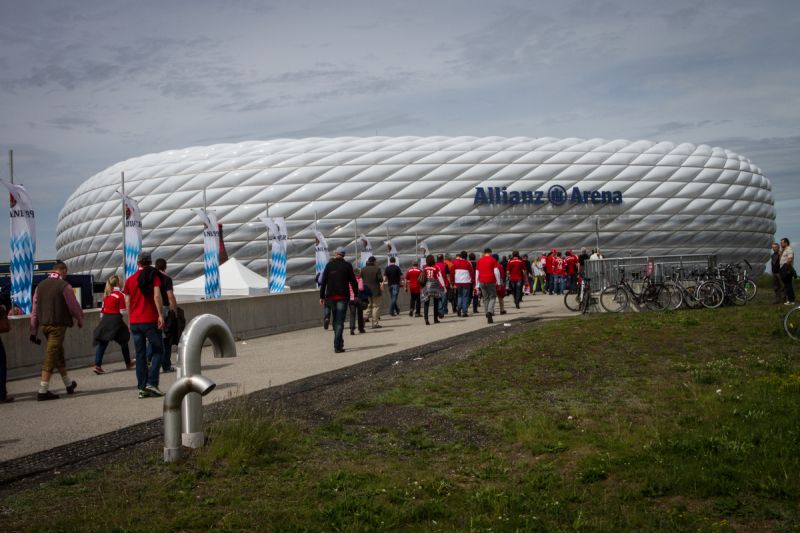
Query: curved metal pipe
{"type": "Point", "coordinates": [172, 412]}
{"type": "Point", "coordinates": [200, 328]}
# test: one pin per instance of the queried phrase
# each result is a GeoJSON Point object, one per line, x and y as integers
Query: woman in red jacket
{"type": "Point", "coordinates": [111, 326]}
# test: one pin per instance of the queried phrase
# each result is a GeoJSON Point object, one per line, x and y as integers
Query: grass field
{"type": "Point", "coordinates": [678, 421]}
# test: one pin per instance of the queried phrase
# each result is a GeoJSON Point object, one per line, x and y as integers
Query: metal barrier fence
{"type": "Point", "coordinates": [606, 272]}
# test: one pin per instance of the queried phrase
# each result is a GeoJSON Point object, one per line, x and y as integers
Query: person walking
{"type": "Point", "coordinates": [356, 309]}
{"type": "Point", "coordinates": [145, 312]}
{"type": "Point", "coordinates": [787, 270]}
{"type": "Point", "coordinates": [516, 276]}
{"type": "Point", "coordinates": [112, 326]}
{"type": "Point", "coordinates": [452, 293]}
{"type": "Point", "coordinates": [393, 277]}
{"type": "Point", "coordinates": [335, 294]}
{"type": "Point", "coordinates": [501, 287]}
{"type": "Point", "coordinates": [373, 280]}
{"type": "Point", "coordinates": [775, 268]}
{"type": "Point", "coordinates": [5, 327]}
{"type": "Point", "coordinates": [464, 279]}
{"type": "Point", "coordinates": [55, 308]}
{"type": "Point", "coordinates": [475, 293]}
{"type": "Point", "coordinates": [488, 278]}
{"type": "Point", "coordinates": [413, 287]}
{"type": "Point", "coordinates": [434, 288]}
{"type": "Point", "coordinates": [442, 266]}
{"type": "Point", "coordinates": [559, 272]}
{"type": "Point", "coordinates": [537, 275]}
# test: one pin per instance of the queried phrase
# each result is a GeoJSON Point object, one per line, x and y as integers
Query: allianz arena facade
{"type": "Point", "coordinates": [455, 193]}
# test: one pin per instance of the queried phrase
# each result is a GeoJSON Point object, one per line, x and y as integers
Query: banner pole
{"type": "Point", "coordinates": [11, 165]}
{"type": "Point", "coordinates": [124, 218]}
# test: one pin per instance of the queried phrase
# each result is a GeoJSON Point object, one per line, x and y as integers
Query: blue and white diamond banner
{"type": "Point", "coordinates": [391, 251]}
{"type": "Point", "coordinates": [366, 251]}
{"type": "Point", "coordinates": [210, 252]}
{"type": "Point", "coordinates": [23, 246]}
{"type": "Point", "coordinates": [278, 238]}
{"type": "Point", "coordinates": [321, 254]}
{"type": "Point", "coordinates": [133, 234]}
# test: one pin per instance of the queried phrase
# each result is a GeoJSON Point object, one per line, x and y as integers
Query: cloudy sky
{"type": "Point", "coordinates": [86, 84]}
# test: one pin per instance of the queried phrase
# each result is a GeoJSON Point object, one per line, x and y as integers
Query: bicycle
{"type": "Point", "coordinates": [616, 298]}
{"type": "Point", "coordinates": [708, 295]}
{"type": "Point", "coordinates": [791, 323]}
{"type": "Point", "coordinates": [579, 299]}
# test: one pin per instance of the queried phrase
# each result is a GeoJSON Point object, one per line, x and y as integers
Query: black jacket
{"type": "Point", "coordinates": [335, 278]}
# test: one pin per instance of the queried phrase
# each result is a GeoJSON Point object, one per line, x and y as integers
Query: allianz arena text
{"type": "Point", "coordinates": [454, 193]}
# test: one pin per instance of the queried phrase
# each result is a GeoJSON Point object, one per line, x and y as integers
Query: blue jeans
{"type": "Point", "coordinates": [464, 297]}
{"type": "Point", "coordinates": [394, 290]}
{"type": "Point", "coordinates": [558, 283]}
{"type": "Point", "coordinates": [516, 287]}
{"type": "Point", "coordinates": [442, 310]}
{"type": "Point", "coordinates": [338, 315]}
{"type": "Point", "coordinates": [3, 372]}
{"type": "Point", "coordinates": [144, 334]}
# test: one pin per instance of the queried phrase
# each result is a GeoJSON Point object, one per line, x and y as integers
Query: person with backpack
{"type": "Point", "coordinates": [145, 313]}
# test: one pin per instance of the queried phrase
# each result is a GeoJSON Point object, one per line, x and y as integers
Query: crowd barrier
{"type": "Point", "coordinates": [247, 317]}
{"type": "Point", "coordinates": [606, 272]}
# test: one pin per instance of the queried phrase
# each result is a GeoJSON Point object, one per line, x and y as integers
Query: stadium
{"type": "Point", "coordinates": [453, 193]}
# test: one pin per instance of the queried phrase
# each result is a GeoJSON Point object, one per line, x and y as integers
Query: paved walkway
{"type": "Point", "coordinates": [109, 402]}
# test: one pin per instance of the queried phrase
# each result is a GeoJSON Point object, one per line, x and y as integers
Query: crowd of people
{"type": "Point", "coordinates": [438, 284]}
{"type": "Point", "coordinates": [154, 322]}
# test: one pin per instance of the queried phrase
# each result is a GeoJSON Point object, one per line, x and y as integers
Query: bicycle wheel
{"type": "Point", "coordinates": [614, 299]}
{"type": "Point", "coordinates": [572, 299]}
{"type": "Point", "coordinates": [791, 323]}
{"type": "Point", "coordinates": [709, 294]}
{"type": "Point", "coordinates": [670, 295]}
{"type": "Point", "coordinates": [651, 298]}
{"type": "Point", "coordinates": [586, 299]}
{"type": "Point", "coordinates": [750, 288]}
{"type": "Point", "coordinates": [738, 295]}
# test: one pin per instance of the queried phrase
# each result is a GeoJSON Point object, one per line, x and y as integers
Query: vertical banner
{"type": "Point", "coordinates": [278, 237]}
{"type": "Point", "coordinates": [391, 251]}
{"type": "Point", "coordinates": [23, 246]}
{"type": "Point", "coordinates": [133, 234]}
{"type": "Point", "coordinates": [366, 251]}
{"type": "Point", "coordinates": [321, 254]}
{"type": "Point", "coordinates": [210, 252]}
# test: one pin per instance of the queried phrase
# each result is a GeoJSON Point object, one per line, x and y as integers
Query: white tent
{"type": "Point", "coordinates": [235, 279]}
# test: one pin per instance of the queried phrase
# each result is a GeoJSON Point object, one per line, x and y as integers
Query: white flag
{"type": "Point", "coordinates": [23, 246]}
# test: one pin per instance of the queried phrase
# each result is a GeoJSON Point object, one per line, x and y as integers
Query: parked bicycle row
{"type": "Point", "coordinates": [724, 284]}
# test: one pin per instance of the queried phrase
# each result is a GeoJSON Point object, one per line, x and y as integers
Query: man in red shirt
{"type": "Point", "coordinates": [572, 270]}
{"type": "Point", "coordinates": [488, 278]}
{"type": "Point", "coordinates": [558, 273]}
{"type": "Point", "coordinates": [463, 279]}
{"type": "Point", "coordinates": [412, 286]}
{"type": "Point", "coordinates": [516, 276]}
{"type": "Point", "coordinates": [550, 279]}
{"type": "Point", "coordinates": [444, 269]}
{"type": "Point", "coordinates": [145, 313]}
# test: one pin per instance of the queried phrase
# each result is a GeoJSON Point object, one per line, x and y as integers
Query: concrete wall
{"type": "Point", "coordinates": [246, 316]}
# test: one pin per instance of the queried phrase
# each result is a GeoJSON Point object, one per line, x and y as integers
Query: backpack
{"type": "Point", "coordinates": [421, 279]}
